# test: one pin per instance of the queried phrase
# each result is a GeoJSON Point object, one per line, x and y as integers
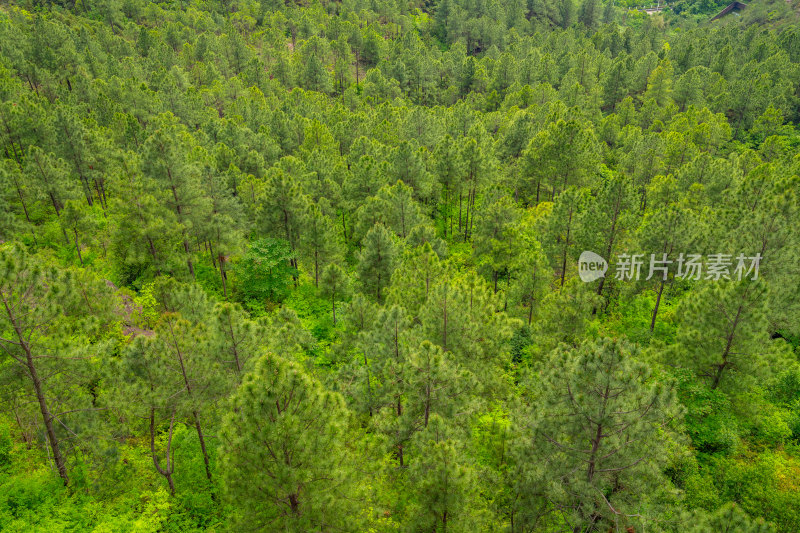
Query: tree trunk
{"type": "Point", "coordinates": [78, 246]}
{"type": "Point", "coordinates": [47, 418]}
{"type": "Point", "coordinates": [202, 444]}
{"type": "Point", "coordinates": [316, 268]}
{"type": "Point", "coordinates": [655, 308]}
{"type": "Point", "coordinates": [223, 277]}
{"type": "Point", "coordinates": [729, 343]}
{"type": "Point", "coordinates": [294, 503]}
{"type": "Point", "coordinates": [194, 413]}
{"type": "Point", "coordinates": [166, 472]}
{"type": "Point", "coordinates": [369, 385]}
{"type": "Point", "coordinates": [444, 322]}
{"type": "Point", "coordinates": [188, 258]}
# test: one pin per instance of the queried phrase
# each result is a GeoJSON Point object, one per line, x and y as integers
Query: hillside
{"type": "Point", "coordinates": [454, 265]}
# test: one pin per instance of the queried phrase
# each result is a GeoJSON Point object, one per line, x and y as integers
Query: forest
{"type": "Point", "coordinates": [399, 266]}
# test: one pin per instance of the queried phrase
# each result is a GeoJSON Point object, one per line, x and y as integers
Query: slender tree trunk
{"type": "Point", "coordinates": [294, 503]}
{"type": "Point", "coordinates": [48, 420]}
{"type": "Point", "coordinates": [101, 194]}
{"type": "Point", "coordinates": [427, 404]}
{"type": "Point", "coordinates": [564, 259]}
{"type": "Point", "coordinates": [729, 343]}
{"type": "Point", "coordinates": [444, 321]}
{"type": "Point", "coordinates": [188, 257]}
{"type": "Point", "coordinates": [25, 436]}
{"type": "Point", "coordinates": [153, 253]}
{"type": "Point", "coordinates": [530, 312]}
{"type": "Point", "coordinates": [22, 200]}
{"type": "Point", "coordinates": [223, 277]}
{"type": "Point", "coordinates": [369, 385]}
{"type": "Point", "coordinates": [460, 195]}
{"type": "Point", "coordinates": [38, 388]}
{"type": "Point", "coordinates": [202, 444]}
{"type": "Point", "coordinates": [316, 268]}
{"type": "Point", "coordinates": [718, 375]}
{"type": "Point", "coordinates": [210, 249]}
{"type": "Point", "coordinates": [167, 471]}
{"type": "Point", "coordinates": [77, 246]}
{"type": "Point", "coordinates": [194, 413]}
{"type": "Point", "coordinates": [655, 307]}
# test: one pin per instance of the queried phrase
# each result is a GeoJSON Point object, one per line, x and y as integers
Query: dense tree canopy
{"type": "Point", "coordinates": [389, 266]}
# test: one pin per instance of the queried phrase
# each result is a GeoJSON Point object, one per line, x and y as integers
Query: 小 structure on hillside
{"type": "Point", "coordinates": [734, 7]}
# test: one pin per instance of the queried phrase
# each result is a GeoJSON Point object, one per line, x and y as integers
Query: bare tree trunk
{"type": "Point", "coordinates": [47, 417]}
{"type": "Point", "coordinates": [655, 308]}
{"type": "Point", "coordinates": [223, 277]}
{"type": "Point", "coordinates": [78, 246]}
{"type": "Point", "coordinates": [166, 472]}
{"type": "Point", "coordinates": [194, 413]}
{"type": "Point", "coordinates": [202, 444]}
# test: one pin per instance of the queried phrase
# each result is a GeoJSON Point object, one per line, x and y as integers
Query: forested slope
{"type": "Point", "coordinates": [315, 267]}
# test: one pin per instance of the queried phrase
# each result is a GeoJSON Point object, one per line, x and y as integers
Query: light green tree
{"type": "Point", "coordinates": [335, 284]}
{"type": "Point", "coordinates": [377, 260]}
{"type": "Point", "coordinates": [595, 442]}
{"type": "Point", "coordinates": [283, 453]}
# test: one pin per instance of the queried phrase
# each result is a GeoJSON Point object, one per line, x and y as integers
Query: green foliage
{"type": "Point", "coordinates": [284, 456]}
{"type": "Point", "coordinates": [372, 213]}
{"type": "Point", "coordinates": [265, 272]}
{"type": "Point", "coordinates": [602, 427]}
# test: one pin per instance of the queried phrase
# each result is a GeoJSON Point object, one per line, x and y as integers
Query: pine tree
{"type": "Point", "coordinates": [50, 179]}
{"type": "Point", "coordinates": [280, 208]}
{"type": "Point", "coordinates": [176, 178]}
{"type": "Point", "coordinates": [532, 276]}
{"type": "Point", "coordinates": [42, 309]}
{"type": "Point", "coordinates": [668, 231]}
{"type": "Point", "coordinates": [408, 165]}
{"type": "Point", "coordinates": [385, 351]}
{"type": "Point", "coordinates": [565, 154]}
{"type": "Point", "coordinates": [562, 228]}
{"type": "Point", "coordinates": [144, 387]}
{"type": "Point", "coordinates": [463, 316]}
{"type": "Point", "coordinates": [222, 231]}
{"type": "Point", "coordinates": [236, 340]}
{"type": "Point", "coordinates": [314, 76]}
{"type": "Point", "coordinates": [335, 284]}
{"type": "Point", "coordinates": [604, 225]}
{"type": "Point", "coordinates": [589, 13]}
{"type": "Point", "coordinates": [723, 329]}
{"type": "Point", "coordinates": [143, 237]}
{"type": "Point", "coordinates": [377, 260]}
{"type": "Point", "coordinates": [448, 169]}
{"type": "Point", "coordinates": [595, 444]}
{"type": "Point", "coordinates": [318, 245]}
{"type": "Point", "coordinates": [76, 221]}
{"type": "Point", "coordinates": [186, 347]}
{"type": "Point", "coordinates": [443, 483]}
{"type": "Point", "coordinates": [420, 270]}
{"type": "Point", "coordinates": [435, 384]}
{"type": "Point", "coordinates": [496, 241]}
{"type": "Point", "coordinates": [284, 460]}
